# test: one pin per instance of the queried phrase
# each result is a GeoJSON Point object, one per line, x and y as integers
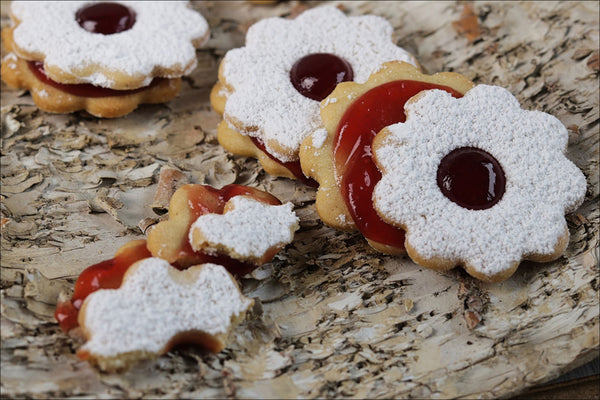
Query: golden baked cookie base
{"type": "Point", "coordinates": [318, 162]}
{"type": "Point", "coordinates": [53, 100]}
{"type": "Point", "coordinates": [119, 80]}
{"type": "Point", "coordinates": [235, 142]}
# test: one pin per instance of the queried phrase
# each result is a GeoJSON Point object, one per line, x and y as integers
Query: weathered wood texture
{"type": "Point", "coordinates": [336, 319]}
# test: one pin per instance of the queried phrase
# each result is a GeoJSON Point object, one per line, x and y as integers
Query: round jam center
{"type": "Point", "coordinates": [105, 18]}
{"type": "Point", "coordinates": [316, 75]}
{"type": "Point", "coordinates": [471, 178]}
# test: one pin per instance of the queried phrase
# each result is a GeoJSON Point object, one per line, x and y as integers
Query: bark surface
{"type": "Point", "coordinates": [333, 317]}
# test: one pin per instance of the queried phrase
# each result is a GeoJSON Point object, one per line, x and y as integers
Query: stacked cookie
{"type": "Point", "coordinates": [321, 91]}
{"type": "Point", "coordinates": [105, 58]}
{"type": "Point", "coordinates": [269, 91]}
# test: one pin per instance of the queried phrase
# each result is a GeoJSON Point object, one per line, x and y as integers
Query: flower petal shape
{"type": "Point", "coordinates": [526, 223]}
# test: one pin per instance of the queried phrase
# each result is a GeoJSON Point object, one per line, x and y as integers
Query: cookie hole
{"type": "Point", "coordinates": [316, 75]}
{"type": "Point", "coordinates": [471, 178]}
{"type": "Point", "coordinates": [105, 18]}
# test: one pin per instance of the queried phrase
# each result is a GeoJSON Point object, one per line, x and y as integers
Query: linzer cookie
{"type": "Point", "coordinates": [169, 239]}
{"type": "Point", "coordinates": [477, 181]}
{"type": "Point", "coordinates": [102, 57]}
{"type": "Point", "coordinates": [157, 307]}
{"type": "Point", "coordinates": [338, 156]}
{"type": "Point", "coordinates": [269, 90]}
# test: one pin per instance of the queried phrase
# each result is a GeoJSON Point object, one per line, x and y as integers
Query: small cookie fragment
{"type": "Point", "coordinates": [248, 230]}
{"type": "Point", "coordinates": [269, 90]}
{"type": "Point", "coordinates": [169, 239]}
{"type": "Point", "coordinates": [339, 156]}
{"type": "Point", "coordinates": [493, 182]}
{"type": "Point", "coordinates": [157, 307]}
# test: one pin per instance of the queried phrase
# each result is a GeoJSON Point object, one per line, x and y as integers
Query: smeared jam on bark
{"type": "Point", "coordinates": [379, 107]}
{"type": "Point", "coordinates": [82, 89]}
{"type": "Point", "coordinates": [105, 18]}
{"type": "Point", "coordinates": [317, 74]}
{"type": "Point", "coordinates": [471, 178]}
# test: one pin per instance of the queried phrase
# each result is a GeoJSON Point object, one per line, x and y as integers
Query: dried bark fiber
{"type": "Point", "coordinates": [335, 319]}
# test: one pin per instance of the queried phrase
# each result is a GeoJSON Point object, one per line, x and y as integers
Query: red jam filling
{"type": "Point", "coordinates": [82, 89]}
{"type": "Point", "coordinates": [104, 275]}
{"type": "Point", "coordinates": [374, 110]}
{"type": "Point", "coordinates": [316, 75]}
{"type": "Point", "coordinates": [471, 178]}
{"type": "Point", "coordinates": [105, 18]}
{"type": "Point", "coordinates": [293, 166]}
{"type": "Point", "coordinates": [109, 274]}
{"type": "Point", "coordinates": [199, 204]}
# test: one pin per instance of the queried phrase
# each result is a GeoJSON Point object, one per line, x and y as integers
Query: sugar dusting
{"type": "Point", "coordinates": [151, 307]}
{"type": "Point", "coordinates": [160, 38]}
{"type": "Point", "coordinates": [250, 228]}
{"type": "Point", "coordinates": [259, 73]}
{"type": "Point", "coordinates": [541, 183]}
{"type": "Point", "coordinates": [319, 137]}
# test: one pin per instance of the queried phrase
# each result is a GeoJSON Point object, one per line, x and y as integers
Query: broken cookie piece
{"type": "Point", "coordinates": [158, 307]}
{"type": "Point", "coordinates": [248, 230]}
{"type": "Point", "coordinates": [169, 239]}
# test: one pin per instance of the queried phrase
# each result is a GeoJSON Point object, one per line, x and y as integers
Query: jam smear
{"type": "Point", "coordinates": [105, 18]}
{"type": "Point", "coordinates": [104, 275]}
{"type": "Point", "coordinates": [471, 178]}
{"type": "Point", "coordinates": [317, 74]}
{"type": "Point", "coordinates": [293, 166]}
{"type": "Point", "coordinates": [373, 111]}
{"type": "Point", "coordinates": [82, 89]}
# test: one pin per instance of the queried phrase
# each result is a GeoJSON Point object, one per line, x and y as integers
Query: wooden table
{"type": "Point", "coordinates": [336, 319]}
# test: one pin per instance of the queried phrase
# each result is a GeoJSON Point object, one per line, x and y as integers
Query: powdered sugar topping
{"type": "Point", "coordinates": [541, 183]}
{"type": "Point", "coordinates": [155, 302]}
{"type": "Point", "coordinates": [319, 137]}
{"type": "Point", "coordinates": [259, 73]}
{"type": "Point", "coordinates": [161, 38]}
{"type": "Point", "coordinates": [249, 228]}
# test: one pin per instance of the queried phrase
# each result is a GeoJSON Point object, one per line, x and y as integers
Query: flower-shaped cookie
{"type": "Point", "coordinates": [152, 39]}
{"type": "Point", "coordinates": [338, 156]}
{"type": "Point", "coordinates": [477, 181]}
{"type": "Point", "coordinates": [155, 308]}
{"type": "Point", "coordinates": [269, 90]}
{"type": "Point", "coordinates": [102, 57]}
